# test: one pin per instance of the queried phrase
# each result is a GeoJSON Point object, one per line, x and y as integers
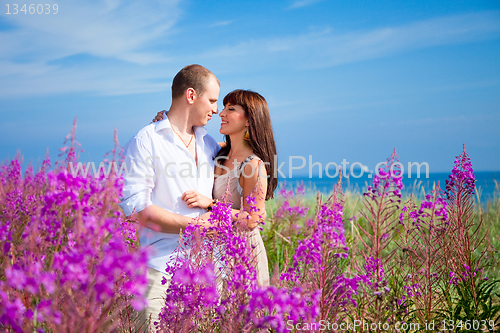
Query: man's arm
{"type": "Point", "coordinates": [167, 222]}
{"type": "Point", "coordinates": [139, 183]}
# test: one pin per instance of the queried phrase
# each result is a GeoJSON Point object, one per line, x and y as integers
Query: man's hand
{"type": "Point", "coordinates": [159, 116]}
{"type": "Point", "coordinates": [195, 199]}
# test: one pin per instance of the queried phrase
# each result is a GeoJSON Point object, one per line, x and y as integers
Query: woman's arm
{"type": "Point", "coordinates": [253, 180]}
{"type": "Point", "coordinates": [159, 116]}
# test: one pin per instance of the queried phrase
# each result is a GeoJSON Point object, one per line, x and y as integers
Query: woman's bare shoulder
{"type": "Point", "coordinates": [254, 168]}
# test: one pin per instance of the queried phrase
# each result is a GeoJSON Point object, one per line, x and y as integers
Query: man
{"type": "Point", "coordinates": [168, 158]}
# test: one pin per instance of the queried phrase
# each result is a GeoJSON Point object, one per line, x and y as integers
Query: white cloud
{"type": "Point", "coordinates": [438, 121]}
{"type": "Point", "coordinates": [302, 3]}
{"type": "Point", "coordinates": [327, 49]}
{"type": "Point", "coordinates": [108, 81]}
{"type": "Point", "coordinates": [105, 28]}
{"type": "Point", "coordinates": [121, 40]}
{"type": "Point", "coordinates": [25, 70]}
{"type": "Point", "coordinates": [222, 23]}
{"type": "Point", "coordinates": [118, 36]}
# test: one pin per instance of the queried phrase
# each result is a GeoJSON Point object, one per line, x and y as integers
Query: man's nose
{"type": "Point", "coordinates": [216, 110]}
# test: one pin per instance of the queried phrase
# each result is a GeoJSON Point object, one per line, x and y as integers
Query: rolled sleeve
{"type": "Point", "coordinates": [138, 178]}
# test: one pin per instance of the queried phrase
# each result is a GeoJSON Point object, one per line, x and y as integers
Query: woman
{"type": "Point", "coordinates": [244, 167]}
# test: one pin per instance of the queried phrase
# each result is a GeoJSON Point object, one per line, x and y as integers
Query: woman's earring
{"type": "Point", "coordinates": [246, 137]}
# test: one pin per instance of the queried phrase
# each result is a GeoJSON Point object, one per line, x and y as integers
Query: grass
{"type": "Point", "coordinates": [277, 246]}
{"type": "Point", "coordinates": [474, 298]}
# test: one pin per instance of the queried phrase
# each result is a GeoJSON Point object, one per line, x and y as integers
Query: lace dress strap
{"type": "Point", "coordinates": [242, 164]}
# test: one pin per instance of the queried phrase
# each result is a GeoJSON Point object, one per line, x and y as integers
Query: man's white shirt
{"type": "Point", "coordinates": [159, 170]}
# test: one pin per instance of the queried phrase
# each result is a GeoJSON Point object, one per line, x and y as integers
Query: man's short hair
{"type": "Point", "coordinates": [191, 76]}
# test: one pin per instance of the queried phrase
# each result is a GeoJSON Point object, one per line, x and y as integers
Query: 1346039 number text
{"type": "Point", "coordinates": [14, 9]}
{"type": "Point", "coordinates": [468, 325]}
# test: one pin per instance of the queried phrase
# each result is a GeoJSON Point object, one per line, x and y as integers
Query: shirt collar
{"type": "Point", "coordinates": [200, 131]}
{"type": "Point", "coordinates": [165, 124]}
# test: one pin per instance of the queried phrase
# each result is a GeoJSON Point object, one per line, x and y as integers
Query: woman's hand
{"type": "Point", "coordinates": [159, 116]}
{"type": "Point", "coordinates": [203, 221]}
{"type": "Point", "coordinates": [206, 216]}
{"type": "Point", "coordinates": [195, 199]}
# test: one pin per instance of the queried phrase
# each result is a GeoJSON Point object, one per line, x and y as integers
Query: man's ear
{"type": "Point", "coordinates": [190, 95]}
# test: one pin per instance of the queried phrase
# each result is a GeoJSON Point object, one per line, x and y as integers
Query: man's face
{"type": "Point", "coordinates": [205, 105]}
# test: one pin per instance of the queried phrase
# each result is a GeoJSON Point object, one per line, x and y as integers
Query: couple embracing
{"type": "Point", "coordinates": [180, 171]}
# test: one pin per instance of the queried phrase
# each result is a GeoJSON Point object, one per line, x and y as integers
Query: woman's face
{"type": "Point", "coordinates": [234, 120]}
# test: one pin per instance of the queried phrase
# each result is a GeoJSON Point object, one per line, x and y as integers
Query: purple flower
{"type": "Point", "coordinates": [453, 278]}
{"type": "Point", "coordinates": [65, 246]}
{"type": "Point", "coordinates": [462, 178]}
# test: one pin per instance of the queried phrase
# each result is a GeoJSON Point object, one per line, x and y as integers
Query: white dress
{"type": "Point", "coordinates": [223, 184]}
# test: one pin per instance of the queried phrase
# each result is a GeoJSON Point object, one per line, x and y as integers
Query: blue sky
{"type": "Point", "coordinates": [343, 79]}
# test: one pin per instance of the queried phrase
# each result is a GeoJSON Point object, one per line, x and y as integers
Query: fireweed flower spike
{"type": "Point", "coordinates": [72, 149]}
{"type": "Point", "coordinates": [462, 178]}
{"type": "Point", "coordinates": [464, 254]}
{"type": "Point", "coordinates": [422, 231]}
{"type": "Point", "coordinates": [214, 285]}
{"type": "Point", "coordinates": [380, 218]}
{"type": "Point", "coordinates": [66, 247]}
{"type": "Point", "coordinates": [317, 258]}
{"type": "Point", "coordinates": [69, 258]}
{"type": "Point", "coordinates": [442, 240]}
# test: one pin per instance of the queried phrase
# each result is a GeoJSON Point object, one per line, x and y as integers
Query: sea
{"type": "Point", "coordinates": [487, 184]}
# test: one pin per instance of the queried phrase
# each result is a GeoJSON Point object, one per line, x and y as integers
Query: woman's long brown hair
{"type": "Point", "coordinates": [260, 129]}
